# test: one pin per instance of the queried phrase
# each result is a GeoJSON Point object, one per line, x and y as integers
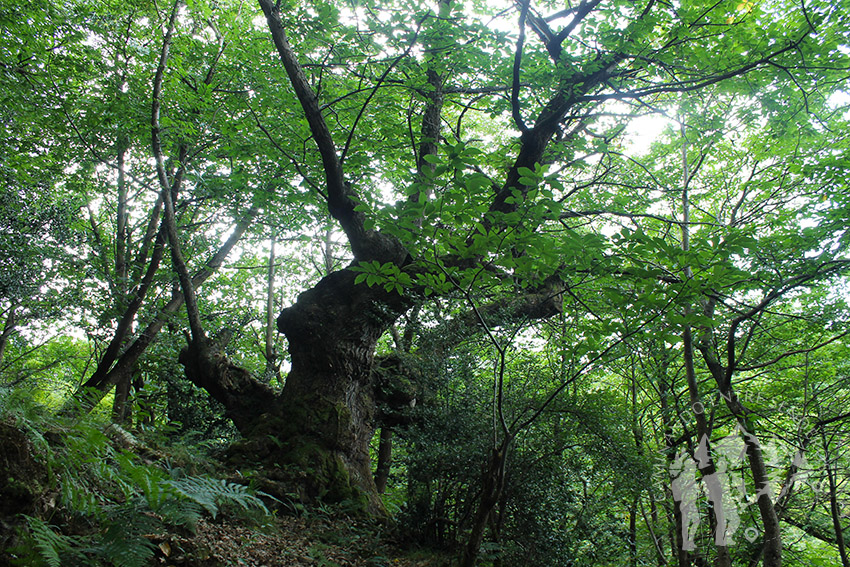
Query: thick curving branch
{"type": "Point", "coordinates": [341, 199]}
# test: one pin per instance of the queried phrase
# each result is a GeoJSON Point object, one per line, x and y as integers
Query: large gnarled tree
{"type": "Point", "coordinates": [460, 195]}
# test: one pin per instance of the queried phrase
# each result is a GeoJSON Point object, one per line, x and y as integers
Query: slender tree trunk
{"type": "Point", "coordinates": [834, 508]}
{"type": "Point", "coordinates": [706, 466]}
{"type": "Point", "coordinates": [153, 239]}
{"type": "Point", "coordinates": [637, 434]}
{"type": "Point", "coordinates": [772, 537]}
{"type": "Point", "coordinates": [120, 290]}
{"type": "Point", "coordinates": [677, 540]}
{"type": "Point", "coordinates": [120, 406]}
{"type": "Point", "coordinates": [652, 527]}
{"type": "Point", "coordinates": [633, 532]}
{"type": "Point", "coordinates": [8, 328]}
{"type": "Point", "coordinates": [102, 381]}
{"type": "Point", "coordinates": [492, 486]}
{"type": "Point", "coordinates": [772, 534]}
{"type": "Point", "coordinates": [122, 216]}
{"type": "Point", "coordinates": [128, 317]}
{"type": "Point", "coordinates": [706, 463]}
{"type": "Point", "coordinates": [385, 454]}
{"type": "Point", "coordinates": [682, 556]}
{"type": "Point", "coordinates": [497, 522]}
{"type": "Point", "coordinates": [202, 359]}
{"type": "Point", "coordinates": [270, 351]}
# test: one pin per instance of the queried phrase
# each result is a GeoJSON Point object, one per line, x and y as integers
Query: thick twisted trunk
{"type": "Point", "coordinates": [328, 403]}
{"type": "Point", "coordinates": [313, 439]}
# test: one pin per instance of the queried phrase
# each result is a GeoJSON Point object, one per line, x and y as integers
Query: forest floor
{"type": "Point", "coordinates": [322, 536]}
{"type": "Point", "coordinates": [285, 541]}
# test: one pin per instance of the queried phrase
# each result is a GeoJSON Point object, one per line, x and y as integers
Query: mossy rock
{"type": "Point", "coordinates": [22, 476]}
{"type": "Point", "coordinates": [23, 481]}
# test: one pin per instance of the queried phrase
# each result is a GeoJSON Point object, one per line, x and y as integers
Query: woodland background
{"type": "Point", "coordinates": [479, 274]}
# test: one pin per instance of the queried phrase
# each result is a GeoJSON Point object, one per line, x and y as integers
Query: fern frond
{"type": "Point", "coordinates": [50, 545]}
{"type": "Point", "coordinates": [180, 512]}
{"type": "Point", "coordinates": [147, 478]}
{"type": "Point", "coordinates": [126, 550]}
{"type": "Point", "coordinates": [123, 543]}
{"type": "Point", "coordinates": [210, 493]}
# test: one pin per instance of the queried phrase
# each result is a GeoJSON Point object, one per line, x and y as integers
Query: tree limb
{"type": "Point", "coordinates": [341, 199]}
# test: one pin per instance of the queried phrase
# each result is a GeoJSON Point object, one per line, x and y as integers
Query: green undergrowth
{"type": "Point", "coordinates": [110, 494]}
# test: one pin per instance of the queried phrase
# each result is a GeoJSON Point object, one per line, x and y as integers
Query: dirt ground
{"type": "Point", "coordinates": [290, 542]}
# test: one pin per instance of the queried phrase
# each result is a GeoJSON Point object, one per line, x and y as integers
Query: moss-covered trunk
{"type": "Point", "coordinates": [316, 435]}
{"type": "Point", "coordinates": [329, 397]}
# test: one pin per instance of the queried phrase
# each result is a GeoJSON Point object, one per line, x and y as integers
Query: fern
{"type": "Point", "coordinates": [51, 546]}
{"type": "Point", "coordinates": [211, 493]}
{"type": "Point", "coordinates": [135, 552]}
{"type": "Point", "coordinates": [121, 498]}
{"type": "Point", "coordinates": [149, 479]}
{"type": "Point", "coordinates": [124, 543]}
{"type": "Point", "coordinates": [181, 512]}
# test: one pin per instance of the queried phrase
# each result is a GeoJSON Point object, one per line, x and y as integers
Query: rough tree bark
{"type": "Point", "coordinates": [330, 388]}
{"type": "Point", "coordinates": [314, 437]}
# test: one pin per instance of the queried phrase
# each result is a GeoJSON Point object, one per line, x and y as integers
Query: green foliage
{"type": "Point", "coordinates": [592, 220]}
{"type": "Point", "coordinates": [124, 542]}
{"type": "Point", "coordinates": [566, 502]}
{"type": "Point", "coordinates": [570, 474]}
{"type": "Point", "coordinates": [211, 494]}
{"type": "Point", "coordinates": [51, 545]}
{"type": "Point", "coordinates": [387, 275]}
{"type": "Point", "coordinates": [191, 412]}
{"type": "Point", "coordinates": [122, 497]}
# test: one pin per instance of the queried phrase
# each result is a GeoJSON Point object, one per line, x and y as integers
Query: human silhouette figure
{"type": "Point", "coordinates": [683, 471]}
{"type": "Point", "coordinates": [724, 495]}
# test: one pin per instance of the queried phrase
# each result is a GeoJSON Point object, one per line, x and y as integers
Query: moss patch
{"type": "Point", "coordinates": [23, 481]}
{"type": "Point", "coordinates": [298, 453]}
{"type": "Point", "coordinates": [22, 477]}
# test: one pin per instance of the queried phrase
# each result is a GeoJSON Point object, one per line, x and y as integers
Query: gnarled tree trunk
{"type": "Point", "coordinates": [329, 399]}
{"type": "Point", "coordinates": [314, 437]}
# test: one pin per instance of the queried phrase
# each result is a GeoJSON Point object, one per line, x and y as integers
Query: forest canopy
{"type": "Point", "coordinates": [536, 281]}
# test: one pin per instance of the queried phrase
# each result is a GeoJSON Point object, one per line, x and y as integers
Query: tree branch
{"type": "Point", "coordinates": [515, 109]}
{"type": "Point", "coordinates": [169, 190]}
{"type": "Point", "coordinates": [376, 87]}
{"type": "Point", "coordinates": [341, 199]}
